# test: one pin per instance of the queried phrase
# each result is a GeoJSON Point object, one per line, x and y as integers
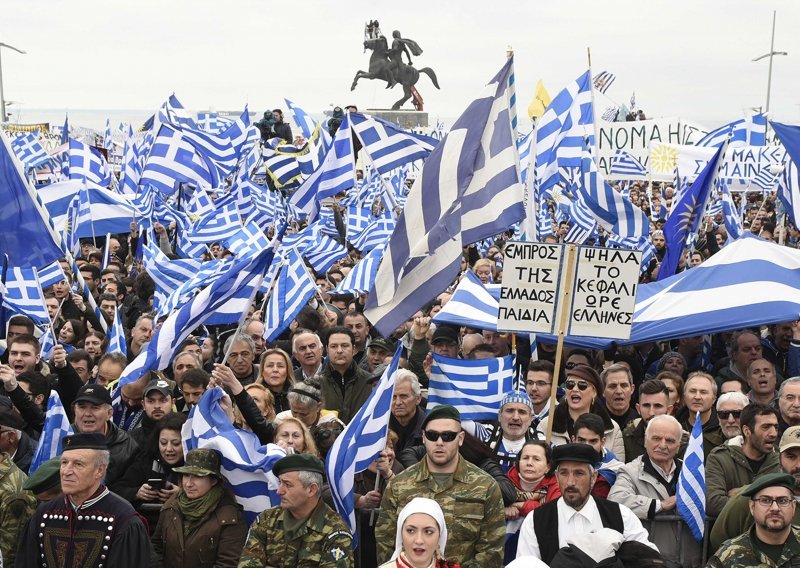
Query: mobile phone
{"type": "Point", "coordinates": [157, 484]}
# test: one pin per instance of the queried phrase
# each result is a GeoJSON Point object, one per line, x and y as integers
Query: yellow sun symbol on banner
{"type": "Point", "coordinates": [663, 159]}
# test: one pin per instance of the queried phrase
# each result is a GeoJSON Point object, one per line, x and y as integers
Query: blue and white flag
{"type": "Point", "coordinates": [476, 387]}
{"type": "Point", "coordinates": [788, 186]}
{"type": "Point", "coordinates": [361, 443]}
{"type": "Point", "coordinates": [24, 296]}
{"type": "Point", "coordinates": [173, 160]}
{"type": "Point", "coordinates": [322, 252]}
{"type": "Point", "coordinates": [387, 145]}
{"type": "Point", "coordinates": [97, 211]}
{"type": "Point", "coordinates": [613, 212]}
{"type": "Point", "coordinates": [292, 291]}
{"type": "Point", "coordinates": [602, 81]}
{"type": "Point", "coordinates": [199, 204]}
{"type": "Point", "coordinates": [107, 142]}
{"type": "Point", "coordinates": [181, 323]}
{"type": "Point", "coordinates": [116, 336]}
{"type": "Point", "coordinates": [246, 465]}
{"type": "Point", "coordinates": [582, 223]}
{"type": "Point", "coordinates": [733, 223]}
{"type": "Point", "coordinates": [51, 274]}
{"type": "Point", "coordinates": [472, 304]}
{"type": "Point", "coordinates": [221, 224]}
{"type": "Point", "coordinates": [29, 150]}
{"type": "Point", "coordinates": [47, 342]}
{"type": "Point", "coordinates": [56, 428]}
{"type": "Point", "coordinates": [561, 131]}
{"type": "Point", "coordinates": [361, 277]}
{"type": "Point", "coordinates": [375, 234]}
{"type": "Point", "coordinates": [750, 131]}
{"type": "Point", "coordinates": [625, 166]}
{"type": "Point", "coordinates": [87, 163]}
{"type": "Point", "coordinates": [691, 491]}
{"type": "Point", "coordinates": [304, 121]}
{"type": "Point", "coordinates": [469, 189]}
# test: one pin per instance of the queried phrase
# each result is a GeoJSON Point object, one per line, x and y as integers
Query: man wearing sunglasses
{"type": "Point", "coordinates": [470, 498]}
{"type": "Point", "coordinates": [772, 541]}
{"type": "Point", "coordinates": [730, 467]}
{"type": "Point", "coordinates": [729, 411]}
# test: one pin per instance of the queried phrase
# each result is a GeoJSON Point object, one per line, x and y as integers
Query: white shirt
{"type": "Point", "coordinates": [572, 522]}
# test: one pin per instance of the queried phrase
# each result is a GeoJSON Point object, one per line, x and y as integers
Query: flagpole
{"type": "Point", "coordinates": [378, 478]}
{"type": "Point", "coordinates": [594, 112]}
{"type": "Point", "coordinates": [242, 319]}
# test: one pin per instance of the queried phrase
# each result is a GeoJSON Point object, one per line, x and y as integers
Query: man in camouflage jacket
{"type": "Point", "coordinates": [16, 507]}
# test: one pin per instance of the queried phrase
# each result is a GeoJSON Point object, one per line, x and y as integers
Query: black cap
{"type": "Point", "coordinates": [442, 412]}
{"type": "Point", "coordinates": [47, 476]}
{"type": "Point", "coordinates": [583, 453]}
{"type": "Point", "coordinates": [11, 419]}
{"type": "Point", "coordinates": [159, 385]}
{"type": "Point", "coordinates": [96, 394]}
{"type": "Point", "coordinates": [298, 462]}
{"type": "Point", "coordinates": [770, 480]}
{"type": "Point", "coordinates": [382, 343]}
{"type": "Point", "coordinates": [445, 333]}
{"type": "Point", "coordinates": [85, 441]}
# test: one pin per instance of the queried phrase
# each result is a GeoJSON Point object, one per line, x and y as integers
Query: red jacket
{"type": "Point", "coordinates": [548, 487]}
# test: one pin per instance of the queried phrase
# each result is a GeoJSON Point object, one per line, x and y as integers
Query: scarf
{"type": "Point", "coordinates": [194, 511]}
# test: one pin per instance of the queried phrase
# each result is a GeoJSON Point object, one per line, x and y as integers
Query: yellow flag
{"type": "Point", "coordinates": [539, 102]}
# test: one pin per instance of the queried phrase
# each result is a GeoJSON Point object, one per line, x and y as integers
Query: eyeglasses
{"type": "Point", "coordinates": [433, 435]}
{"type": "Point", "coordinates": [582, 385]}
{"type": "Point", "coordinates": [725, 414]}
{"type": "Point", "coordinates": [765, 501]}
{"type": "Point", "coordinates": [539, 384]}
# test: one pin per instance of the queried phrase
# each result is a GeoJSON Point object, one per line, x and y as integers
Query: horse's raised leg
{"type": "Point", "coordinates": [359, 75]}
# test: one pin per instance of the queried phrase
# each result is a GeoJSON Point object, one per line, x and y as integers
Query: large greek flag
{"type": "Point", "coordinates": [173, 160]}
{"type": "Point", "coordinates": [476, 387]}
{"type": "Point", "coordinates": [469, 190]}
{"type": "Point", "coordinates": [86, 163]}
{"type": "Point", "coordinates": [388, 146]}
{"type": "Point", "coordinates": [472, 304]}
{"type": "Point", "coordinates": [749, 131]}
{"type": "Point", "coordinates": [29, 150]}
{"type": "Point", "coordinates": [361, 443]}
{"type": "Point", "coordinates": [23, 295]}
{"type": "Point", "coordinates": [691, 491]}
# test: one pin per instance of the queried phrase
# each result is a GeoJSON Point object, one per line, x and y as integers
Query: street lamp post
{"type": "Point", "coordinates": [3, 116]}
{"type": "Point", "coordinates": [771, 54]}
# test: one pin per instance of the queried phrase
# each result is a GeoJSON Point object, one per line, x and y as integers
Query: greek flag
{"type": "Point", "coordinates": [375, 234]}
{"type": "Point", "coordinates": [184, 290]}
{"type": "Point", "coordinates": [524, 147]}
{"type": "Point", "coordinates": [95, 211]}
{"type": "Point", "coordinates": [750, 131]}
{"type": "Point", "coordinates": [561, 131]}
{"type": "Point", "coordinates": [212, 122]}
{"type": "Point", "coordinates": [199, 204]}
{"type": "Point", "coordinates": [116, 336]}
{"type": "Point", "coordinates": [583, 224]}
{"type": "Point", "coordinates": [173, 160]}
{"type": "Point", "coordinates": [222, 223]}
{"type": "Point", "coordinates": [472, 305]}
{"type": "Point", "coordinates": [612, 211]}
{"type": "Point", "coordinates": [388, 146]}
{"type": "Point", "coordinates": [764, 180]}
{"type": "Point", "coordinates": [47, 342]}
{"type": "Point", "coordinates": [174, 331]}
{"type": "Point", "coordinates": [623, 165]}
{"type": "Point", "coordinates": [314, 152]}
{"type": "Point", "coordinates": [107, 142]}
{"type": "Point", "coordinates": [733, 223]}
{"type": "Point", "coordinates": [469, 190]}
{"type": "Point", "coordinates": [248, 241]}
{"type": "Point", "coordinates": [86, 163]}
{"type": "Point", "coordinates": [51, 274]}
{"type": "Point", "coordinates": [361, 443]}
{"type": "Point", "coordinates": [246, 464]}
{"type": "Point", "coordinates": [603, 80]}
{"type": "Point", "coordinates": [475, 387]}
{"type": "Point", "coordinates": [29, 150]}
{"type": "Point", "coordinates": [322, 252]}
{"type": "Point", "coordinates": [282, 168]}
{"type": "Point", "coordinates": [56, 427]}
{"type": "Point", "coordinates": [788, 186]}
{"type": "Point", "coordinates": [293, 290]}
{"type": "Point", "coordinates": [691, 490]}
{"type": "Point", "coordinates": [304, 121]}
{"type": "Point", "coordinates": [544, 223]}
{"type": "Point", "coordinates": [336, 174]}
{"type": "Point", "coordinates": [23, 295]}
{"type": "Point", "coordinates": [360, 279]}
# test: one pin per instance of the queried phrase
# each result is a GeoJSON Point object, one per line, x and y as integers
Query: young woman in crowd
{"type": "Point", "coordinates": [421, 536]}
{"type": "Point", "coordinates": [276, 373]}
{"type": "Point", "coordinates": [291, 433]}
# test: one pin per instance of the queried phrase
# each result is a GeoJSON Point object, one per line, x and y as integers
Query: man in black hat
{"type": "Point", "coordinates": [14, 441]}
{"type": "Point", "coordinates": [576, 511]}
{"type": "Point", "coordinates": [93, 415]}
{"type": "Point", "coordinates": [445, 341]}
{"type": "Point", "coordinates": [157, 403]}
{"type": "Point", "coordinates": [772, 541]}
{"type": "Point", "coordinates": [303, 531]}
{"type": "Point", "coordinates": [88, 526]}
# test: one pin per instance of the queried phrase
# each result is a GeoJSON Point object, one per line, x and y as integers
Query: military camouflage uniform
{"type": "Point", "coordinates": [324, 540]}
{"type": "Point", "coordinates": [739, 552]}
{"type": "Point", "coordinates": [472, 506]}
{"type": "Point", "coordinates": [16, 507]}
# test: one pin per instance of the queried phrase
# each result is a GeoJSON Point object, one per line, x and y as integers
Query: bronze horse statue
{"type": "Point", "coordinates": [381, 67]}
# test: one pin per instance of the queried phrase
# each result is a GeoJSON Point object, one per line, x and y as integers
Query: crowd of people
{"type": "Point", "coordinates": [524, 489]}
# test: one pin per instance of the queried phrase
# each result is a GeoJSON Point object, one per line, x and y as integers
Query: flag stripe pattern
{"type": "Point", "coordinates": [475, 387]}
{"type": "Point", "coordinates": [691, 491]}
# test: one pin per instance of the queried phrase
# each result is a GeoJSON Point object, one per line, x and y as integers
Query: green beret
{"type": "Point", "coordinates": [298, 462]}
{"type": "Point", "coordinates": [770, 480]}
{"type": "Point", "coordinates": [46, 477]}
{"type": "Point", "coordinates": [442, 412]}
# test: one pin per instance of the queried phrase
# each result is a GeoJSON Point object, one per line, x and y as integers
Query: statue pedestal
{"type": "Point", "coordinates": [403, 118]}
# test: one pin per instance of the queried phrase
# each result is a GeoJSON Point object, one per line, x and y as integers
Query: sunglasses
{"type": "Point", "coordinates": [582, 385]}
{"type": "Point", "coordinates": [725, 414]}
{"type": "Point", "coordinates": [433, 435]}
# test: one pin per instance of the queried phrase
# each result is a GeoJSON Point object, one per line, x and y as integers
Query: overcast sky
{"type": "Point", "coordinates": [691, 59]}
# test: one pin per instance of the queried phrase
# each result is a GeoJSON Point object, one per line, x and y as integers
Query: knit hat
{"type": "Point", "coordinates": [519, 397]}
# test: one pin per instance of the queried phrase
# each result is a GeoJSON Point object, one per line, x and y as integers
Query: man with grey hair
{"type": "Point", "coordinates": [87, 526]}
{"type": "Point", "coordinates": [407, 414]}
{"type": "Point", "coordinates": [729, 411]}
{"type": "Point", "coordinates": [789, 404]}
{"type": "Point", "coordinates": [182, 362]}
{"type": "Point", "coordinates": [241, 352]}
{"type": "Point", "coordinates": [743, 349]}
{"type": "Point", "coordinates": [307, 350]}
{"type": "Point", "coordinates": [255, 329]}
{"type": "Point", "coordinates": [303, 528]}
{"type": "Point", "coordinates": [617, 392]}
{"type": "Point", "coordinates": [647, 486]}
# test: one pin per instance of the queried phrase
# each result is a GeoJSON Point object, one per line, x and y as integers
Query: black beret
{"type": "Point", "coordinates": [298, 462]}
{"type": "Point", "coordinates": [11, 419]}
{"type": "Point", "coordinates": [770, 480]}
{"type": "Point", "coordinates": [442, 412]}
{"type": "Point", "coordinates": [85, 441]}
{"type": "Point", "coordinates": [583, 453]}
{"type": "Point", "coordinates": [47, 476]}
